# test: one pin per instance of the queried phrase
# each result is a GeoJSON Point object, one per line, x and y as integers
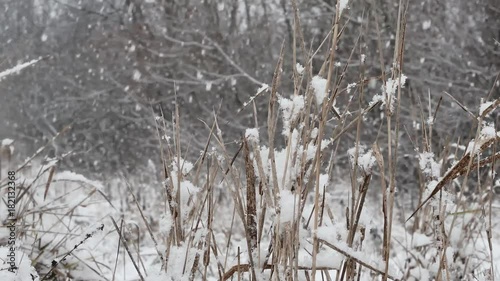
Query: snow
{"type": "Point", "coordinates": [319, 85]}
{"type": "Point", "coordinates": [412, 252]}
{"type": "Point", "coordinates": [323, 180]}
{"type": "Point", "coordinates": [17, 68]}
{"type": "Point", "coordinates": [416, 125]}
{"type": "Point", "coordinates": [369, 258]}
{"type": "Point", "coordinates": [161, 276]}
{"type": "Point", "coordinates": [377, 98]}
{"type": "Point", "coordinates": [136, 76]}
{"type": "Point", "coordinates": [176, 264]}
{"type": "Point", "coordinates": [187, 189]}
{"type": "Point", "coordinates": [342, 5]}
{"type": "Point", "coordinates": [186, 166]}
{"type": "Point", "coordinates": [426, 24]}
{"type": "Point", "coordinates": [252, 135]}
{"type": "Point", "coordinates": [366, 159]}
{"type": "Point", "coordinates": [25, 270]}
{"type": "Point", "coordinates": [287, 204]}
{"type": "Point", "coordinates": [263, 88]}
{"type": "Point", "coordinates": [314, 133]}
{"type": "Point", "coordinates": [208, 86]}
{"type": "Point", "coordinates": [7, 142]}
{"type": "Point", "coordinates": [285, 163]}
{"type": "Point", "coordinates": [430, 121]}
{"type": "Point", "coordinates": [388, 95]}
{"type": "Point", "coordinates": [350, 87]}
{"type": "Point", "coordinates": [488, 132]}
{"type": "Point", "coordinates": [329, 258]}
{"type": "Point", "coordinates": [300, 68]}
{"type": "Point", "coordinates": [428, 166]}
{"type": "Point", "coordinates": [419, 240]}
{"type": "Point", "coordinates": [484, 106]}
{"type": "Point", "coordinates": [326, 258]}
{"type": "Point", "coordinates": [70, 176]}
{"type": "Point", "coordinates": [298, 105]}
{"type": "Point", "coordinates": [429, 188]}
{"type": "Point", "coordinates": [456, 145]}
{"type": "Point", "coordinates": [166, 223]}
{"type": "Point", "coordinates": [290, 109]}
{"type": "Point", "coordinates": [392, 85]}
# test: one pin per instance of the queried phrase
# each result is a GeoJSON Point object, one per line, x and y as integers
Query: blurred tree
{"type": "Point", "coordinates": [114, 63]}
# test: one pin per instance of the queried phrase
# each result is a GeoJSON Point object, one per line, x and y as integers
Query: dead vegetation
{"type": "Point", "coordinates": [271, 213]}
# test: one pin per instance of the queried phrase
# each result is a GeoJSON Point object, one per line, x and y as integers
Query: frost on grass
{"type": "Point", "coordinates": [488, 133]}
{"type": "Point", "coordinates": [290, 109]}
{"type": "Point", "coordinates": [264, 87]}
{"type": "Point", "coordinates": [366, 159]}
{"type": "Point", "coordinates": [388, 95]}
{"type": "Point", "coordinates": [392, 85]}
{"type": "Point", "coordinates": [428, 166]}
{"type": "Point", "coordinates": [430, 187]}
{"type": "Point", "coordinates": [319, 85]}
{"type": "Point", "coordinates": [350, 87]}
{"type": "Point", "coordinates": [183, 165]}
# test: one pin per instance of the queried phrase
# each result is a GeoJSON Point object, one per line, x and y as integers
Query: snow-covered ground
{"type": "Point", "coordinates": [66, 216]}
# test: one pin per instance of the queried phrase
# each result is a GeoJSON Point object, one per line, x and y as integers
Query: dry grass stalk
{"type": "Point", "coordinates": [251, 214]}
{"type": "Point", "coordinates": [125, 244]}
{"type": "Point", "coordinates": [460, 168]}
